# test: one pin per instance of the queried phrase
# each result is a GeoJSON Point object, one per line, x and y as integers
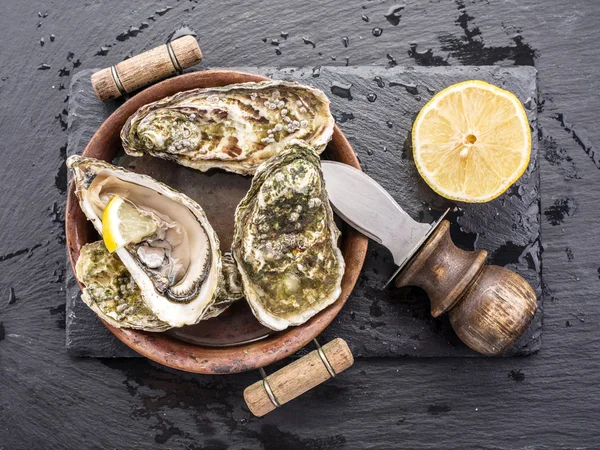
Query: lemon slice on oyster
{"type": "Point", "coordinates": [123, 224]}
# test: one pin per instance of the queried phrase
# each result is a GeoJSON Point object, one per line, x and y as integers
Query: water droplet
{"type": "Point", "coordinates": [529, 103]}
{"type": "Point", "coordinates": [347, 61]}
{"type": "Point", "coordinates": [377, 31]}
{"type": "Point", "coordinates": [389, 124]}
{"type": "Point", "coordinates": [243, 421]}
{"type": "Point", "coordinates": [43, 67]}
{"type": "Point", "coordinates": [385, 148]}
{"type": "Point", "coordinates": [163, 11]}
{"type": "Point", "coordinates": [379, 81]}
{"type": "Point", "coordinates": [418, 98]}
{"type": "Point", "coordinates": [365, 18]}
{"type": "Point", "coordinates": [346, 41]}
{"type": "Point", "coordinates": [430, 90]}
{"type": "Point", "coordinates": [411, 88]}
{"type": "Point", "coordinates": [70, 56]}
{"type": "Point", "coordinates": [52, 37]}
{"type": "Point", "coordinates": [284, 34]}
{"type": "Point", "coordinates": [12, 298]}
{"type": "Point", "coordinates": [145, 25]}
{"type": "Point", "coordinates": [277, 51]}
{"type": "Point", "coordinates": [316, 72]}
{"type": "Point", "coordinates": [180, 32]}
{"type": "Point", "coordinates": [39, 24]}
{"type": "Point", "coordinates": [76, 63]}
{"type": "Point", "coordinates": [369, 152]}
{"type": "Point", "coordinates": [372, 97]}
{"type": "Point", "coordinates": [274, 42]}
{"type": "Point", "coordinates": [39, 14]}
{"type": "Point", "coordinates": [308, 41]}
{"type": "Point", "coordinates": [341, 89]}
{"type": "Point", "coordinates": [393, 15]}
{"type": "Point", "coordinates": [392, 61]}
{"type": "Point", "coordinates": [264, 40]}
{"type": "Point", "coordinates": [42, 42]}
{"type": "Point", "coordinates": [333, 58]}
{"type": "Point", "coordinates": [102, 52]}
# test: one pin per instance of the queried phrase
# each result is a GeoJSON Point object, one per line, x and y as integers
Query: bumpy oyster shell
{"type": "Point", "coordinates": [113, 295]}
{"type": "Point", "coordinates": [230, 288]}
{"type": "Point", "coordinates": [285, 240]}
{"type": "Point", "coordinates": [235, 128]}
{"type": "Point", "coordinates": [178, 268]}
{"type": "Point", "coordinates": [111, 292]}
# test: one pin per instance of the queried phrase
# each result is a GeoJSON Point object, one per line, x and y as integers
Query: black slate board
{"type": "Point", "coordinates": [376, 117]}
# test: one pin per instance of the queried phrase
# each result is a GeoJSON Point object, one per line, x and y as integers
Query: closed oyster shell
{"type": "Point", "coordinates": [235, 127]}
{"type": "Point", "coordinates": [111, 292]}
{"type": "Point", "coordinates": [230, 288]}
{"type": "Point", "coordinates": [285, 240]}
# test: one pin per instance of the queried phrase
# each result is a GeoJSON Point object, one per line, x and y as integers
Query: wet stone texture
{"type": "Point", "coordinates": [375, 108]}
{"type": "Point", "coordinates": [548, 400]}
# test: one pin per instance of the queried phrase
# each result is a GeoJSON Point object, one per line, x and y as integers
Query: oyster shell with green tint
{"type": "Point", "coordinates": [285, 240]}
{"type": "Point", "coordinates": [111, 292]}
{"type": "Point", "coordinates": [113, 295]}
{"type": "Point", "coordinates": [230, 288]}
{"type": "Point", "coordinates": [235, 127]}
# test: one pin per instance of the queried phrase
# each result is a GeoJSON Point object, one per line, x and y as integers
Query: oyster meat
{"type": "Point", "coordinates": [285, 240]}
{"type": "Point", "coordinates": [111, 292]}
{"type": "Point", "coordinates": [178, 267]}
{"type": "Point", "coordinates": [235, 127]}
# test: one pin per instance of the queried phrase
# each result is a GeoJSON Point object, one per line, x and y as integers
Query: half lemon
{"type": "Point", "coordinates": [472, 141]}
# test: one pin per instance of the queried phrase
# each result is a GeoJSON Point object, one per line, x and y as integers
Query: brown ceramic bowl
{"type": "Point", "coordinates": [234, 341]}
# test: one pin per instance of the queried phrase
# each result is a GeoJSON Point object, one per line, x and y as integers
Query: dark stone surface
{"type": "Point", "coordinates": [376, 113]}
{"type": "Point", "coordinates": [49, 400]}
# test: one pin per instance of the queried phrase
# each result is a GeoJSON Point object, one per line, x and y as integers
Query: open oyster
{"type": "Point", "coordinates": [285, 240]}
{"type": "Point", "coordinates": [111, 292]}
{"type": "Point", "coordinates": [178, 267]}
{"type": "Point", "coordinates": [235, 128]}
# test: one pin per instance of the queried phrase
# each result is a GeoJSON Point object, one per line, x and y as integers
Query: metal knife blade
{"type": "Point", "coordinates": [369, 208]}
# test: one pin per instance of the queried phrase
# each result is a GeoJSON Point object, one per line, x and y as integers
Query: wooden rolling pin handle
{"type": "Point", "coordinates": [146, 68]}
{"type": "Point", "coordinates": [298, 377]}
{"type": "Point", "coordinates": [490, 307]}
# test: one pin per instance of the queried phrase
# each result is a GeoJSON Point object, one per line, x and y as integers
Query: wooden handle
{"type": "Point", "coordinates": [490, 307]}
{"type": "Point", "coordinates": [146, 68]}
{"type": "Point", "coordinates": [298, 377]}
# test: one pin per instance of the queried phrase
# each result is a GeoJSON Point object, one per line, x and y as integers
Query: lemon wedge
{"type": "Point", "coordinates": [123, 223]}
{"type": "Point", "coordinates": [472, 141]}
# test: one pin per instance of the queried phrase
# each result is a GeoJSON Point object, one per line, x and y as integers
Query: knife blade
{"type": "Point", "coordinates": [366, 206]}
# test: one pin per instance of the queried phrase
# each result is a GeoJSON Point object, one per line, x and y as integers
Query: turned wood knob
{"type": "Point", "coordinates": [490, 307]}
{"type": "Point", "coordinates": [298, 377]}
{"type": "Point", "coordinates": [146, 68]}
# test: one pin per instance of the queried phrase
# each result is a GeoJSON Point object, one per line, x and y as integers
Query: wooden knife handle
{"type": "Point", "coordinates": [490, 307]}
{"type": "Point", "coordinates": [298, 377]}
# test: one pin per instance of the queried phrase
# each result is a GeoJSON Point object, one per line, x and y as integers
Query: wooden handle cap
{"type": "Point", "coordinates": [298, 377]}
{"type": "Point", "coordinates": [490, 307]}
{"type": "Point", "coordinates": [146, 68]}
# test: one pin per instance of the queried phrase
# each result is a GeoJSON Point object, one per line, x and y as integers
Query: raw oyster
{"type": "Point", "coordinates": [111, 292]}
{"type": "Point", "coordinates": [285, 240]}
{"type": "Point", "coordinates": [235, 127]}
{"type": "Point", "coordinates": [178, 268]}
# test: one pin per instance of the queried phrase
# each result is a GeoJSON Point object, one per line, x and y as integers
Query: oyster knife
{"type": "Point", "coordinates": [490, 307]}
